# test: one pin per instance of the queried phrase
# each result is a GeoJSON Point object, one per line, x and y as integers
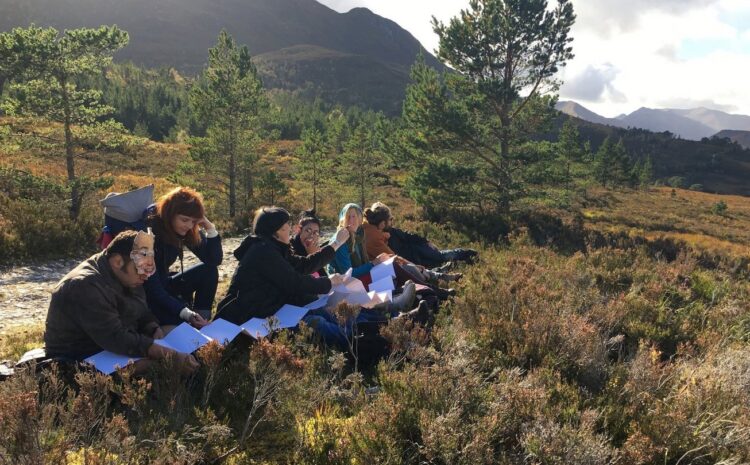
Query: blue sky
{"type": "Point", "coordinates": [629, 53]}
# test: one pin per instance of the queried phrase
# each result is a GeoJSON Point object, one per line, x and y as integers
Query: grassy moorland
{"type": "Point", "coordinates": [631, 346]}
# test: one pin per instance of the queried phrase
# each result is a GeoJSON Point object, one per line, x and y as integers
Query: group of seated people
{"type": "Point", "coordinates": [124, 297]}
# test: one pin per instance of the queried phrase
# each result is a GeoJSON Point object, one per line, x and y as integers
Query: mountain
{"type": "Point", "coordinates": [178, 33]}
{"type": "Point", "coordinates": [716, 120]}
{"type": "Point", "coordinates": [740, 137]}
{"type": "Point", "coordinates": [693, 124]}
{"type": "Point", "coordinates": [579, 111]}
{"type": "Point", "coordinates": [665, 120]}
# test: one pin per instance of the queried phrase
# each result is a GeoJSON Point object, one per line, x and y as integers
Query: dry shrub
{"type": "Point", "coordinates": [530, 308]}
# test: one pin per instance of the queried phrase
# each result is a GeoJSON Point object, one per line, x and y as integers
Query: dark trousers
{"type": "Point", "coordinates": [196, 286]}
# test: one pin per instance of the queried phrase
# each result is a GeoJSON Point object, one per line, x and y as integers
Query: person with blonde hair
{"type": "Point", "coordinates": [179, 221]}
{"type": "Point", "coordinates": [352, 254]}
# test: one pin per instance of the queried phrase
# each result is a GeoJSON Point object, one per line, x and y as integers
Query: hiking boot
{"type": "Point", "coordinates": [421, 314]}
{"type": "Point", "coordinates": [403, 301]}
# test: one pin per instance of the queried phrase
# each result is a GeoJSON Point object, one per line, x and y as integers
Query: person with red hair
{"type": "Point", "coordinates": [180, 221]}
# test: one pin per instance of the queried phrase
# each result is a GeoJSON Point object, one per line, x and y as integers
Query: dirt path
{"type": "Point", "coordinates": [25, 290]}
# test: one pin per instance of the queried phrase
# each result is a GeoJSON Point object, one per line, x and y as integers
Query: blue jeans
{"type": "Point", "coordinates": [324, 323]}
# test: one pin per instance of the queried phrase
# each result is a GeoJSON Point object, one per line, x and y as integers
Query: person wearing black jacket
{"type": "Point", "coordinates": [269, 275]}
{"type": "Point", "coordinates": [419, 250]}
{"type": "Point", "coordinates": [306, 241]}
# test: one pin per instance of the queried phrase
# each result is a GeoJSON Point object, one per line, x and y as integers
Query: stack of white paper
{"type": "Point", "coordinates": [383, 270]}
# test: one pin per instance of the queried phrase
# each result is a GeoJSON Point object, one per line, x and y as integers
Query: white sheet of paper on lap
{"type": "Point", "coordinates": [221, 331]}
{"type": "Point", "coordinates": [184, 338]}
{"type": "Point", "coordinates": [385, 296]}
{"type": "Point", "coordinates": [358, 298]}
{"type": "Point", "coordinates": [108, 362]}
{"type": "Point", "coordinates": [383, 270]}
{"type": "Point", "coordinates": [320, 303]}
{"type": "Point", "coordinates": [381, 285]}
{"type": "Point", "coordinates": [289, 316]}
{"type": "Point", "coordinates": [256, 327]}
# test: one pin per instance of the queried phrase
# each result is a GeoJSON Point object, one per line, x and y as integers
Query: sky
{"type": "Point", "coordinates": [628, 53]}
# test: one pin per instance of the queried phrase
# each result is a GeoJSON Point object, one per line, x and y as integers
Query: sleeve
{"type": "Point", "coordinates": [312, 262]}
{"type": "Point", "coordinates": [283, 276]}
{"type": "Point", "coordinates": [379, 245]}
{"type": "Point", "coordinates": [99, 318]}
{"type": "Point", "coordinates": [147, 323]}
{"type": "Point", "coordinates": [209, 251]}
{"type": "Point", "coordinates": [156, 291]}
{"type": "Point", "coordinates": [342, 262]}
{"type": "Point", "coordinates": [410, 237]}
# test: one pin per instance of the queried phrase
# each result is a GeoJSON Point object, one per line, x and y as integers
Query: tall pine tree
{"type": "Point", "coordinates": [229, 97]}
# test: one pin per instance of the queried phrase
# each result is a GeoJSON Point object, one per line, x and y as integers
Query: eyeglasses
{"type": "Point", "coordinates": [311, 232]}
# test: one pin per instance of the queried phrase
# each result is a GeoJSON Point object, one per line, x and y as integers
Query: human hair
{"type": "Point", "coordinates": [121, 245]}
{"type": "Point", "coordinates": [345, 211]}
{"type": "Point", "coordinates": [179, 201]}
{"type": "Point", "coordinates": [377, 212]}
{"type": "Point", "coordinates": [268, 220]}
{"type": "Point", "coordinates": [308, 217]}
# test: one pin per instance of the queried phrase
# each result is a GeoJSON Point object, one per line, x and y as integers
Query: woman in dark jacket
{"type": "Point", "coordinates": [306, 241]}
{"type": "Point", "coordinates": [180, 221]}
{"type": "Point", "coordinates": [270, 275]}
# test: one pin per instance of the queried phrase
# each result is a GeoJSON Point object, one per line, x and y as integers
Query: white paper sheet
{"type": "Point", "coordinates": [289, 316]}
{"type": "Point", "coordinates": [184, 338]}
{"type": "Point", "coordinates": [385, 284]}
{"type": "Point", "coordinates": [320, 303]}
{"type": "Point", "coordinates": [383, 270]}
{"type": "Point", "coordinates": [108, 362]}
{"type": "Point", "coordinates": [256, 327]}
{"type": "Point", "coordinates": [221, 331]}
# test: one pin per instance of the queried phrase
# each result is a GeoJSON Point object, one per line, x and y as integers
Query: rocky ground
{"type": "Point", "coordinates": [25, 290]}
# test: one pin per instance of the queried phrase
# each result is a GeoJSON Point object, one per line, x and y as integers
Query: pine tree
{"type": "Point", "coordinates": [229, 97]}
{"type": "Point", "coordinates": [499, 50]}
{"type": "Point", "coordinates": [50, 72]}
{"type": "Point", "coordinates": [313, 164]}
{"type": "Point", "coordinates": [362, 161]}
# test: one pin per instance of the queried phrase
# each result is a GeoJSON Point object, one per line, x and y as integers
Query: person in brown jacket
{"type": "Point", "coordinates": [378, 220]}
{"type": "Point", "coordinates": [100, 305]}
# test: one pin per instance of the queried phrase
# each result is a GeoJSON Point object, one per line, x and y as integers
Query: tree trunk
{"type": "Point", "coordinates": [232, 174]}
{"type": "Point", "coordinates": [75, 201]}
{"type": "Point", "coordinates": [232, 185]}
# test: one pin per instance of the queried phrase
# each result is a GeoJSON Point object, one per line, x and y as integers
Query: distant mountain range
{"type": "Point", "coordinates": [301, 45]}
{"type": "Point", "coordinates": [693, 124]}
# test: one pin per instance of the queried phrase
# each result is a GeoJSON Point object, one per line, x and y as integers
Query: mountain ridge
{"type": "Point", "coordinates": [178, 33]}
{"type": "Point", "coordinates": [692, 124]}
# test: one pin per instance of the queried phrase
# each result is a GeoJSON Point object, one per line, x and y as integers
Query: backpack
{"type": "Point", "coordinates": [123, 211]}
